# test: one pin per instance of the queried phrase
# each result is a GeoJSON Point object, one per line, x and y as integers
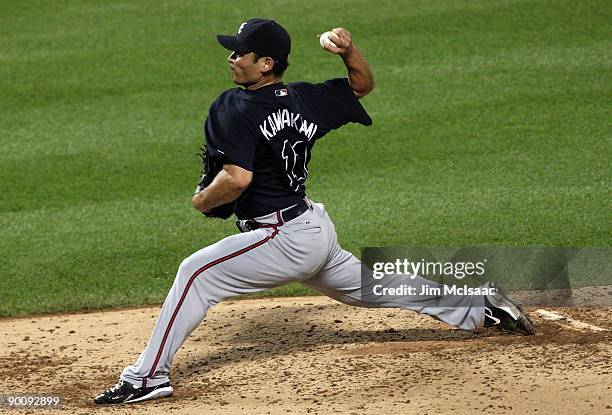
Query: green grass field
{"type": "Point", "coordinates": [491, 127]}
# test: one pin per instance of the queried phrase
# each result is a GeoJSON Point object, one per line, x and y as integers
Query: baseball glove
{"type": "Point", "coordinates": [211, 166]}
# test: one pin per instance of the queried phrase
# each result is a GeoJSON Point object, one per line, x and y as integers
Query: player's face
{"type": "Point", "coordinates": [245, 69]}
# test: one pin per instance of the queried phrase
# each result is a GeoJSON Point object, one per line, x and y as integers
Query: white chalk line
{"type": "Point", "coordinates": [573, 323]}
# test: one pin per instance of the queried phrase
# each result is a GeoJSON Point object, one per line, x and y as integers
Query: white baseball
{"type": "Point", "coordinates": [324, 39]}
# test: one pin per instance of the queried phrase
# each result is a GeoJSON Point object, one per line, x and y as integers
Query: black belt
{"type": "Point", "coordinates": [286, 215]}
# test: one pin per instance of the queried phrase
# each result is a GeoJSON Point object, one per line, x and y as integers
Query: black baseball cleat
{"type": "Point", "coordinates": [125, 392]}
{"type": "Point", "coordinates": [505, 314]}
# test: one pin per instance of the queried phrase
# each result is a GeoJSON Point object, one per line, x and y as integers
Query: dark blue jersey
{"type": "Point", "coordinates": [271, 131]}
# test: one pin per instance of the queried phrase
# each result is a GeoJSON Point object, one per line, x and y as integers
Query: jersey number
{"type": "Point", "coordinates": [296, 157]}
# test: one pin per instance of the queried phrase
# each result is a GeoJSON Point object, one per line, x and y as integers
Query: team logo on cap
{"type": "Point", "coordinates": [241, 27]}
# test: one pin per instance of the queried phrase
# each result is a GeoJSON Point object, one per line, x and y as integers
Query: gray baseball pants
{"type": "Point", "coordinates": [304, 250]}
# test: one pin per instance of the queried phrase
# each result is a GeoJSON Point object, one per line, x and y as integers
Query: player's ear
{"type": "Point", "coordinates": [266, 64]}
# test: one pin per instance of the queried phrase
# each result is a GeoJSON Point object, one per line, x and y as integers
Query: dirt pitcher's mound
{"type": "Point", "coordinates": [313, 355]}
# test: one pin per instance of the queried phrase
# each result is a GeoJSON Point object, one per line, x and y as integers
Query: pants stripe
{"type": "Point", "coordinates": [191, 280]}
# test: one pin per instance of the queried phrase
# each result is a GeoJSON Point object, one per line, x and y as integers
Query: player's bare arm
{"type": "Point", "coordinates": [359, 74]}
{"type": "Point", "coordinates": [231, 181]}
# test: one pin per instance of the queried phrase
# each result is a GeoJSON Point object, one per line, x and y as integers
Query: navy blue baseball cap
{"type": "Point", "coordinates": [265, 37]}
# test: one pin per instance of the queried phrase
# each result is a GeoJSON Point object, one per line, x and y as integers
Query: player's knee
{"type": "Point", "coordinates": [190, 266]}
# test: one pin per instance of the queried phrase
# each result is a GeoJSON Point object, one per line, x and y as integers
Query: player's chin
{"type": "Point", "coordinates": [241, 82]}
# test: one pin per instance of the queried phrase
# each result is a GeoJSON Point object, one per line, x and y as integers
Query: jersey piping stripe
{"type": "Point", "coordinates": [192, 279]}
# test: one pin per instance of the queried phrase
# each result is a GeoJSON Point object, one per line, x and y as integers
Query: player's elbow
{"type": "Point", "coordinates": [364, 89]}
{"type": "Point", "coordinates": [197, 201]}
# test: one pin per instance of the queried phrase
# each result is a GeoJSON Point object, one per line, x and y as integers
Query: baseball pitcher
{"type": "Point", "coordinates": [259, 138]}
